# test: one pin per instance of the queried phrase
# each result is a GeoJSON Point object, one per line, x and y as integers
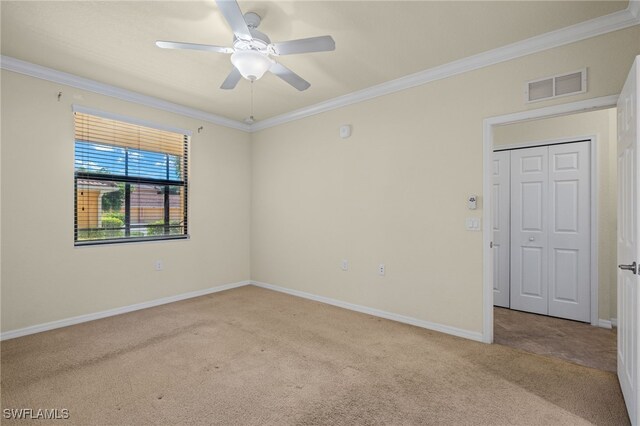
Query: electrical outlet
{"type": "Point", "coordinates": [381, 269]}
{"type": "Point", "coordinates": [159, 265]}
{"type": "Point", "coordinates": [344, 265]}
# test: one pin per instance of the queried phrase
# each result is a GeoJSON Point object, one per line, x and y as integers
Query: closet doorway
{"type": "Point", "coordinates": [553, 193]}
{"type": "Point", "coordinates": [542, 222]}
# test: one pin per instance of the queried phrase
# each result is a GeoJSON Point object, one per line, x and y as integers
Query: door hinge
{"type": "Point", "coordinates": [491, 244]}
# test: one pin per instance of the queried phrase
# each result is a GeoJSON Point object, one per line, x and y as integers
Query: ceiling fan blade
{"type": "Point", "coordinates": [193, 46]}
{"type": "Point", "coordinates": [232, 79]}
{"type": "Point", "coordinates": [233, 15]}
{"type": "Point", "coordinates": [289, 76]}
{"type": "Point", "coordinates": [305, 45]}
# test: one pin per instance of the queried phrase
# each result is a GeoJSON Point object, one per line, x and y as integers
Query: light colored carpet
{"type": "Point", "coordinates": [574, 341]}
{"type": "Point", "coordinates": [251, 356]}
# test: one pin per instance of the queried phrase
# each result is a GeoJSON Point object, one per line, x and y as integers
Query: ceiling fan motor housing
{"type": "Point", "coordinates": [260, 41]}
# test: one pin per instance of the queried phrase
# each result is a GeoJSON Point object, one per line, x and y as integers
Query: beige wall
{"type": "Point", "coordinates": [44, 278]}
{"type": "Point", "coordinates": [602, 124]}
{"type": "Point", "coordinates": [284, 205]}
{"type": "Point", "coordinates": [395, 192]}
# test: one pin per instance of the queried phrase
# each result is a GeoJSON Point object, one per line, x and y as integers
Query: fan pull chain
{"type": "Point", "coordinates": [250, 120]}
{"type": "Point", "coordinates": [251, 115]}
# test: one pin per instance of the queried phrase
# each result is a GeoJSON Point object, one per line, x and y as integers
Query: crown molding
{"type": "Point", "coordinates": [16, 65]}
{"type": "Point", "coordinates": [634, 8]}
{"type": "Point", "coordinates": [581, 31]}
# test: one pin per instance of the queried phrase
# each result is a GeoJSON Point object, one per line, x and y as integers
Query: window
{"type": "Point", "coordinates": [130, 182]}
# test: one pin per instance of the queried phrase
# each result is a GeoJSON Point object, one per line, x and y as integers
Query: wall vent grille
{"type": "Point", "coordinates": [556, 86]}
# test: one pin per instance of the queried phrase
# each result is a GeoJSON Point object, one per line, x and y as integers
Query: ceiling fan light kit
{"type": "Point", "coordinates": [252, 49]}
{"type": "Point", "coordinates": [252, 64]}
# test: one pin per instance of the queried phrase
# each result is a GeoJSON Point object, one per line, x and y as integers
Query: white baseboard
{"type": "Point", "coordinates": [472, 335]}
{"type": "Point", "coordinates": [608, 323]}
{"type": "Point", "coordinates": [116, 311]}
{"type": "Point", "coordinates": [604, 323]}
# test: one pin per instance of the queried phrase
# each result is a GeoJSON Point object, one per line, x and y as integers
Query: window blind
{"type": "Point", "coordinates": [130, 182]}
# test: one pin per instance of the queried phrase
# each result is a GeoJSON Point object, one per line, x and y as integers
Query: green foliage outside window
{"type": "Point", "coordinates": [159, 230]}
{"type": "Point", "coordinates": [112, 201]}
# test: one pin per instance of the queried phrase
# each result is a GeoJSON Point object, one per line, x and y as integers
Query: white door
{"type": "Point", "coordinates": [501, 211]}
{"type": "Point", "coordinates": [628, 241]}
{"type": "Point", "coordinates": [569, 231]}
{"type": "Point", "coordinates": [529, 236]}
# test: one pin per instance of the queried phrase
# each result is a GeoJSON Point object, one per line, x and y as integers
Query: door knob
{"type": "Point", "coordinates": [633, 267]}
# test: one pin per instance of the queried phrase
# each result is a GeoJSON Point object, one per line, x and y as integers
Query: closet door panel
{"type": "Point", "coordinates": [501, 211]}
{"type": "Point", "coordinates": [569, 231]}
{"type": "Point", "coordinates": [529, 230]}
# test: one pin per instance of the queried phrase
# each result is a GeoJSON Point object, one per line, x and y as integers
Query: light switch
{"type": "Point", "coordinates": [473, 224]}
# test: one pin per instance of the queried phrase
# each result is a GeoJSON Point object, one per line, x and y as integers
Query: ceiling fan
{"type": "Point", "coordinates": [252, 50]}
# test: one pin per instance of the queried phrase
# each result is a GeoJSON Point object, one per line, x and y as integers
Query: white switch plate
{"type": "Point", "coordinates": [159, 265]}
{"type": "Point", "coordinates": [381, 269]}
{"type": "Point", "coordinates": [344, 265]}
{"type": "Point", "coordinates": [473, 224]}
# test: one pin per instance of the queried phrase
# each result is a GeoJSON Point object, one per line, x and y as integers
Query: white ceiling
{"type": "Point", "coordinates": [376, 41]}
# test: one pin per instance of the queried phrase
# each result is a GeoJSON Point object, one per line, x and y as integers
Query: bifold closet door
{"type": "Point", "coordinates": [570, 231]}
{"type": "Point", "coordinates": [551, 230]}
{"type": "Point", "coordinates": [529, 229]}
{"type": "Point", "coordinates": [501, 212]}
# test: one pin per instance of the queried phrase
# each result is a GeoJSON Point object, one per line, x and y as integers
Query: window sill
{"type": "Point", "coordinates": [130, 241]}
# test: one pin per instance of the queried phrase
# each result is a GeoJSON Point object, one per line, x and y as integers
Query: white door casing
{"type": "Point", "coordinates": [489, 125]}
{"type": "Point", "coordinates": [569, 231]}
{"type": "Point", "coordinates": [501, 218]}
{"type": "Point", "coordinates": [628, 240]}
{"type": "Point", "coordinates": [529, 239]}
